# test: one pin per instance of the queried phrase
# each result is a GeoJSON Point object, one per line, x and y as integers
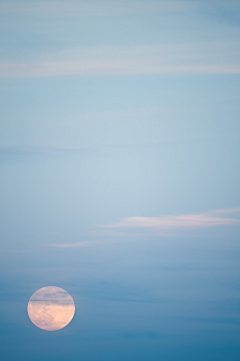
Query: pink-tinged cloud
{"type": "Point", "coordinates": [189, 221]}
{"type": "Point", "coordinates": [130, 227]}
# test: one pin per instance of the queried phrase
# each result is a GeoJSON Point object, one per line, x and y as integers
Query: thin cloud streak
{"type": "Point", "coordinates": [189, 221]}
{"type": "Point", "coordinates": [78, 244]}
{"type": "Point", "coordinates": [56, 69]}
{"type": "Point", "coordinates": [73, 8]}
{"type": "Point", "coordinates": [98, 8]}
{"type": "Point", "coordinates": [204, 58]}
{"type": "Point", "coordinates": [132, 228]}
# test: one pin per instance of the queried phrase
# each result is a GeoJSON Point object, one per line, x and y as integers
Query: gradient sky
{"type": "Point", "coordinates": [119, 151]}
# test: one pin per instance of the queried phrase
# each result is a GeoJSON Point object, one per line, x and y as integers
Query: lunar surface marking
{"type": "Point", "coordinates": [51, 308]}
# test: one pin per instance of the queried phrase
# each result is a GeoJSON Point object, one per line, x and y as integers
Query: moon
{"type": "Point", "coordinates": [51, 308]}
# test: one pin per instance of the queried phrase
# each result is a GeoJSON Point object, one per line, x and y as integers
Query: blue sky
{"type": "Point", "coordinates": [119, 150]}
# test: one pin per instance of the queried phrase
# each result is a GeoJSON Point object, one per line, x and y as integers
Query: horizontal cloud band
{"type": "Point", "coordinates": [162, 225]}
{"type": "Point", "coordinates": [203, 220]}
{"type": "Point", "coordinates": [65, 68]}
{"type": "Point", "coordinates": [188, 58]}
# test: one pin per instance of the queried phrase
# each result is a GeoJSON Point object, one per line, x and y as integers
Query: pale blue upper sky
{"type": "Point", "coordinates": [119, 149]}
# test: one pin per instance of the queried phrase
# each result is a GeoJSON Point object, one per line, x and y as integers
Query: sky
{"type": "Point", "coordinates": [119, 158]}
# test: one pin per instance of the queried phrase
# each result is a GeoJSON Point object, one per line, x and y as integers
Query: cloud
{"type": "Point", "coordinates": [180, 222]}
{"type": "Point", "coordinates": [88, 8]}
{"type": "Point", "coordinates": [55, 69]}
{"type": "Point", "coordinates": [132, 228]}
{"type": "Point", "coordinates": [189, 58]}
{"type": "Point", "coordinates": [83, 8]}
{"type": "Point", "coordinates": [78, 244]}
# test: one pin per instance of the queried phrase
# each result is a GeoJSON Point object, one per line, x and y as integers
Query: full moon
{"type": "Point", "coordinates": [51, 308]}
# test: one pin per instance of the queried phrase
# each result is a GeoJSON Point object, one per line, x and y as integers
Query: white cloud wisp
{"type": "Point", "coordinates": [131, 228]}
{"type": "Point", "coordinates": [184, 222]}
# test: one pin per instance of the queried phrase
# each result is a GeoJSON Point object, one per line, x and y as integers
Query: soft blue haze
{"type": "Point", "coordinates": [119, 151]}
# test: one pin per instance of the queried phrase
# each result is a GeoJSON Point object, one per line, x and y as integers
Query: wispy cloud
{"type": "Point", "coordinates": [78, 244]}
{"type": "Point", "coordinates": [208, 58]}
{"type": "Point", "coordinates": [132, 228]}
{"type": "Point", "coordinates": [83, 8]}
{"type": "Point", "coordinates": [55, 69]}
{"type": "Point", "coordinates": [189, 221]}
{"type": "Point", "coordinates": [87, 8]}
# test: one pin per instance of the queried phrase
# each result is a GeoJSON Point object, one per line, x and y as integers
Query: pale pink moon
{"type": "Point", "coordinates": [51, 308]}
